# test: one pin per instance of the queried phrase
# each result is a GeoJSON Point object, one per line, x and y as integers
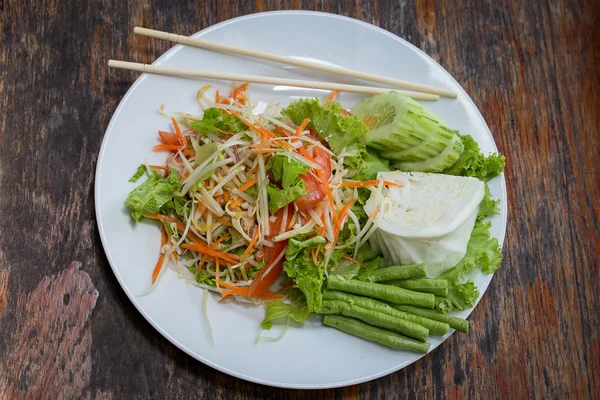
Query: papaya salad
{"type": "Point", "coordinates": [370, 216]}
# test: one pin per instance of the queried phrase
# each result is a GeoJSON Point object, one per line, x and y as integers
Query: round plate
{"type": "Point", "coordinates": [311, 355]}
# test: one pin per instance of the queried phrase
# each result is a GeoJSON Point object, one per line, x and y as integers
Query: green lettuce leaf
{"type": "Point", "coordinates": [365, 253]}
{"type": "Point", "coordinates": [370, 267]}
{"type": "Point", "coordinates": [282, 197]}
{"type": "Point", "coordinates": [286, 170]}
{"type": "Point", "coordinates": [214, 120]}
{"type": "Point", "coordinates": [488, 205]}
{"type": "Point", "coordinates": [345, 268]}
{"type": "Point", "coordinates": [205, 151]}
{"type": "Point", "coordinates": [152, 195]}
{"type": "Point", "coordinates": [307, 276]}
{"type": "Point", "coordinates": [341, 132]}
{"type": "Point", "coordinates": [483, 252]}
{"type": "Point", "coordinates": [297, 244]}
{"type": "Point", "coordinates": [138, 174]}
{"type": "Point", "coordinates": [473, 163]}
{"type": "Point", "coordinates": [297, 310]}
{"type": "Point", "coordinates": [372, 164]}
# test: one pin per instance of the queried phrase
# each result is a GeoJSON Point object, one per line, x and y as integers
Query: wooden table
{"type": "Point", "coordinates": [66, 326]}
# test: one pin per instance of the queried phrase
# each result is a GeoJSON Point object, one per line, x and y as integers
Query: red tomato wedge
{"type": "Point", "coordinates": [316, 191]}
{"type": "Point", "coordinates": [262, 281]}
{"type": "Point", "coordinates": [169, 138]}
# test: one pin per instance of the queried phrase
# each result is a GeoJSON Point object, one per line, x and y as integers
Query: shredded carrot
{"type": "Point", "coordinates": [288, 287]}
{"type": "Point", "coordinates": [217, 99]}
{"type": "Point", "coordinates": [204, 257]}
{"type": "Point", "coordinates": [349, 184]}
{"type": "Point", "coordinates": [243, 291]}
{"type": "Point", "coordinates": [251, 245]}
{"type": "Point", "coordinates": [178, 132]}
{"type": "Point", "coordinates": [368, 120]}
{"type": "Point", "coordinates": [223, 132]}
{"type": "Point", "coordinates": [219, 240]}
{"type": "Point", "coordinates": [354, 260]}
{"type": "Point", "coordinates": [253, 171]}
{"type": "Point", "coordinates": [262, 151]}
{"type": "Point", "coordinates": [247, 185]}
{"type": "Point", "coordinates": [204, 249]}
{"type": "Point", "coordinates": [162, 168]}
{"type": "Point", "coordinates": [303, 151]}
{"type": "Point", "coordinates": [339, 223]}
{"type": "Point", "coordinates": [301, 129]}
{"type": "Point", "coordinates": [166, 147]}
{"type": "Point", "coordinates": [315, 255]}
{"type": "Point", "coordinates": [281, 131]}
{"type": "Point", "coordinates": [217, 271]}
{"type": "Point", "coordinates": [321, 175]}
{"type": "Point", "coordinates": [219, 219]}
{"type": "Point", "coordinates": [333, 95]}
{"type": "Point", "coordinates": [161, 257]}
{"type": "Point", "coordinates": [236, 203]}
{"type": "Point", "coordinates": [238, 90]}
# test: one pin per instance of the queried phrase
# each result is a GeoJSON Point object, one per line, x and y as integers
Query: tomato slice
{"type": "Point", "coordinates": [316, 191]}
{"type": "Point", "coordinates": [262, 281]}
{"type": "Point", "coordinates": [169, 138]}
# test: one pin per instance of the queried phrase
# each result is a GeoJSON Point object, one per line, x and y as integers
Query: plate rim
{"type": "Point", "coordinates": [168, 54]}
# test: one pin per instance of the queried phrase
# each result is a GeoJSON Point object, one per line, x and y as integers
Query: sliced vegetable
{"type": "Point", "coordinates": [398, 272]}
{"type": "Point", "coordinates": [152, 195]}
{"type": "Point", "coordinates": [405, 131]}
{"type": "Point", "coordinates": [267, 275]}
{"type": "Point", "coordinates": [460, 324]}
{"type": "Point", "coordinates": [391, 294]}
{"type": "Point", "coordinates": [428, 220]}
{"type": "Point", "coordinates": [434, 326]}
{"type": "Point", "coordinates": [374, 334]}
{"type": "Point", "coordinates": [375, 318]}
{"type": "Point", "coordinates": [438, 287]}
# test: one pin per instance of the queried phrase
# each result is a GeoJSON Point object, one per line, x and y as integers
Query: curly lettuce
{"type": "Point", "coordinates": [473, 163]}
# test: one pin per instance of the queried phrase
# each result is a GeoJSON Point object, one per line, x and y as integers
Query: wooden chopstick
{"type": "Point", "coordinates": [172, 37]}
{"type": "Point", "coordinates": [151, 69]}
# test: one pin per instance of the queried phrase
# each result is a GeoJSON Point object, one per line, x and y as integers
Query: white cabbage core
{"type": "Point", "coordinates": [428, 220]}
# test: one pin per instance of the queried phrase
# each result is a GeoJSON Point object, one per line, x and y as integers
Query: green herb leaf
{"type": "Point", "coordinates": [286, 170]}
{"type": "Point", "coordinates": [282, 197]}
{"type": "Point", "coordinates": [138, 174]}
{"type": "Point", "coordinates": [341, 132]}
{"type": "Point", "coordinates": [473, 163]}
{"type": "Point", "coordinates": [214, 120]}
{"type": "Point", "coordinates": [152, 195]}
{"type": "Point", "coordinates": [277, 309]}
{"type": "Point", "coordinates": [483, 252]}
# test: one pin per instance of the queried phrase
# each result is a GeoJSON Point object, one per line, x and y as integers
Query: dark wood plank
{"type": "Point", "coordinates": [531, 69]}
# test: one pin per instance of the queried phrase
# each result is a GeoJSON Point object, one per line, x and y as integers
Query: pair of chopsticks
{"type": "Point", "coordinates": [415, 90]}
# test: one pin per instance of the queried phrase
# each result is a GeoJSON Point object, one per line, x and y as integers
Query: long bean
{"type": "Point", "coordinates": [460, 324]}
{"type": "Point", "coordinates": [389, 293]}
{"type": "Point", "coordinates": [439, 287]}
{"type": "Point", "coordinates": [398, 272]}
{"type": "Point", "coordinates": [375, 318]}
{"type": "Point", "coordinates": [374, 334]}
{"type": "Point", "coordinates": [435, 327]}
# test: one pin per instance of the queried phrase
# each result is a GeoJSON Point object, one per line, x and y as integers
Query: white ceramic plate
{"type": "Point", "coordinates": [311, 356]}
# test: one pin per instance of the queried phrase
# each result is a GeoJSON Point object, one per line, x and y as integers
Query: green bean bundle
{"type": "Point", "coordinates": [435, 327]}
{"type": "Point", "coordinates": [398, 272]}
{"type": "Point", "coordinates": [461, 325]}
{"type": "Point", "coordinates": [391, 294]}
{"type": "Point", "coordinates": [438, 287]}
{"type": "Point", "coordinates": [374, 334]}
{"type": "Point", "coordinates": [375, 318]}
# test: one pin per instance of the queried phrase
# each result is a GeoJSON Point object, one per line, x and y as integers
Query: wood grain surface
{"type": "Point", "coordinates": [531, 67]}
